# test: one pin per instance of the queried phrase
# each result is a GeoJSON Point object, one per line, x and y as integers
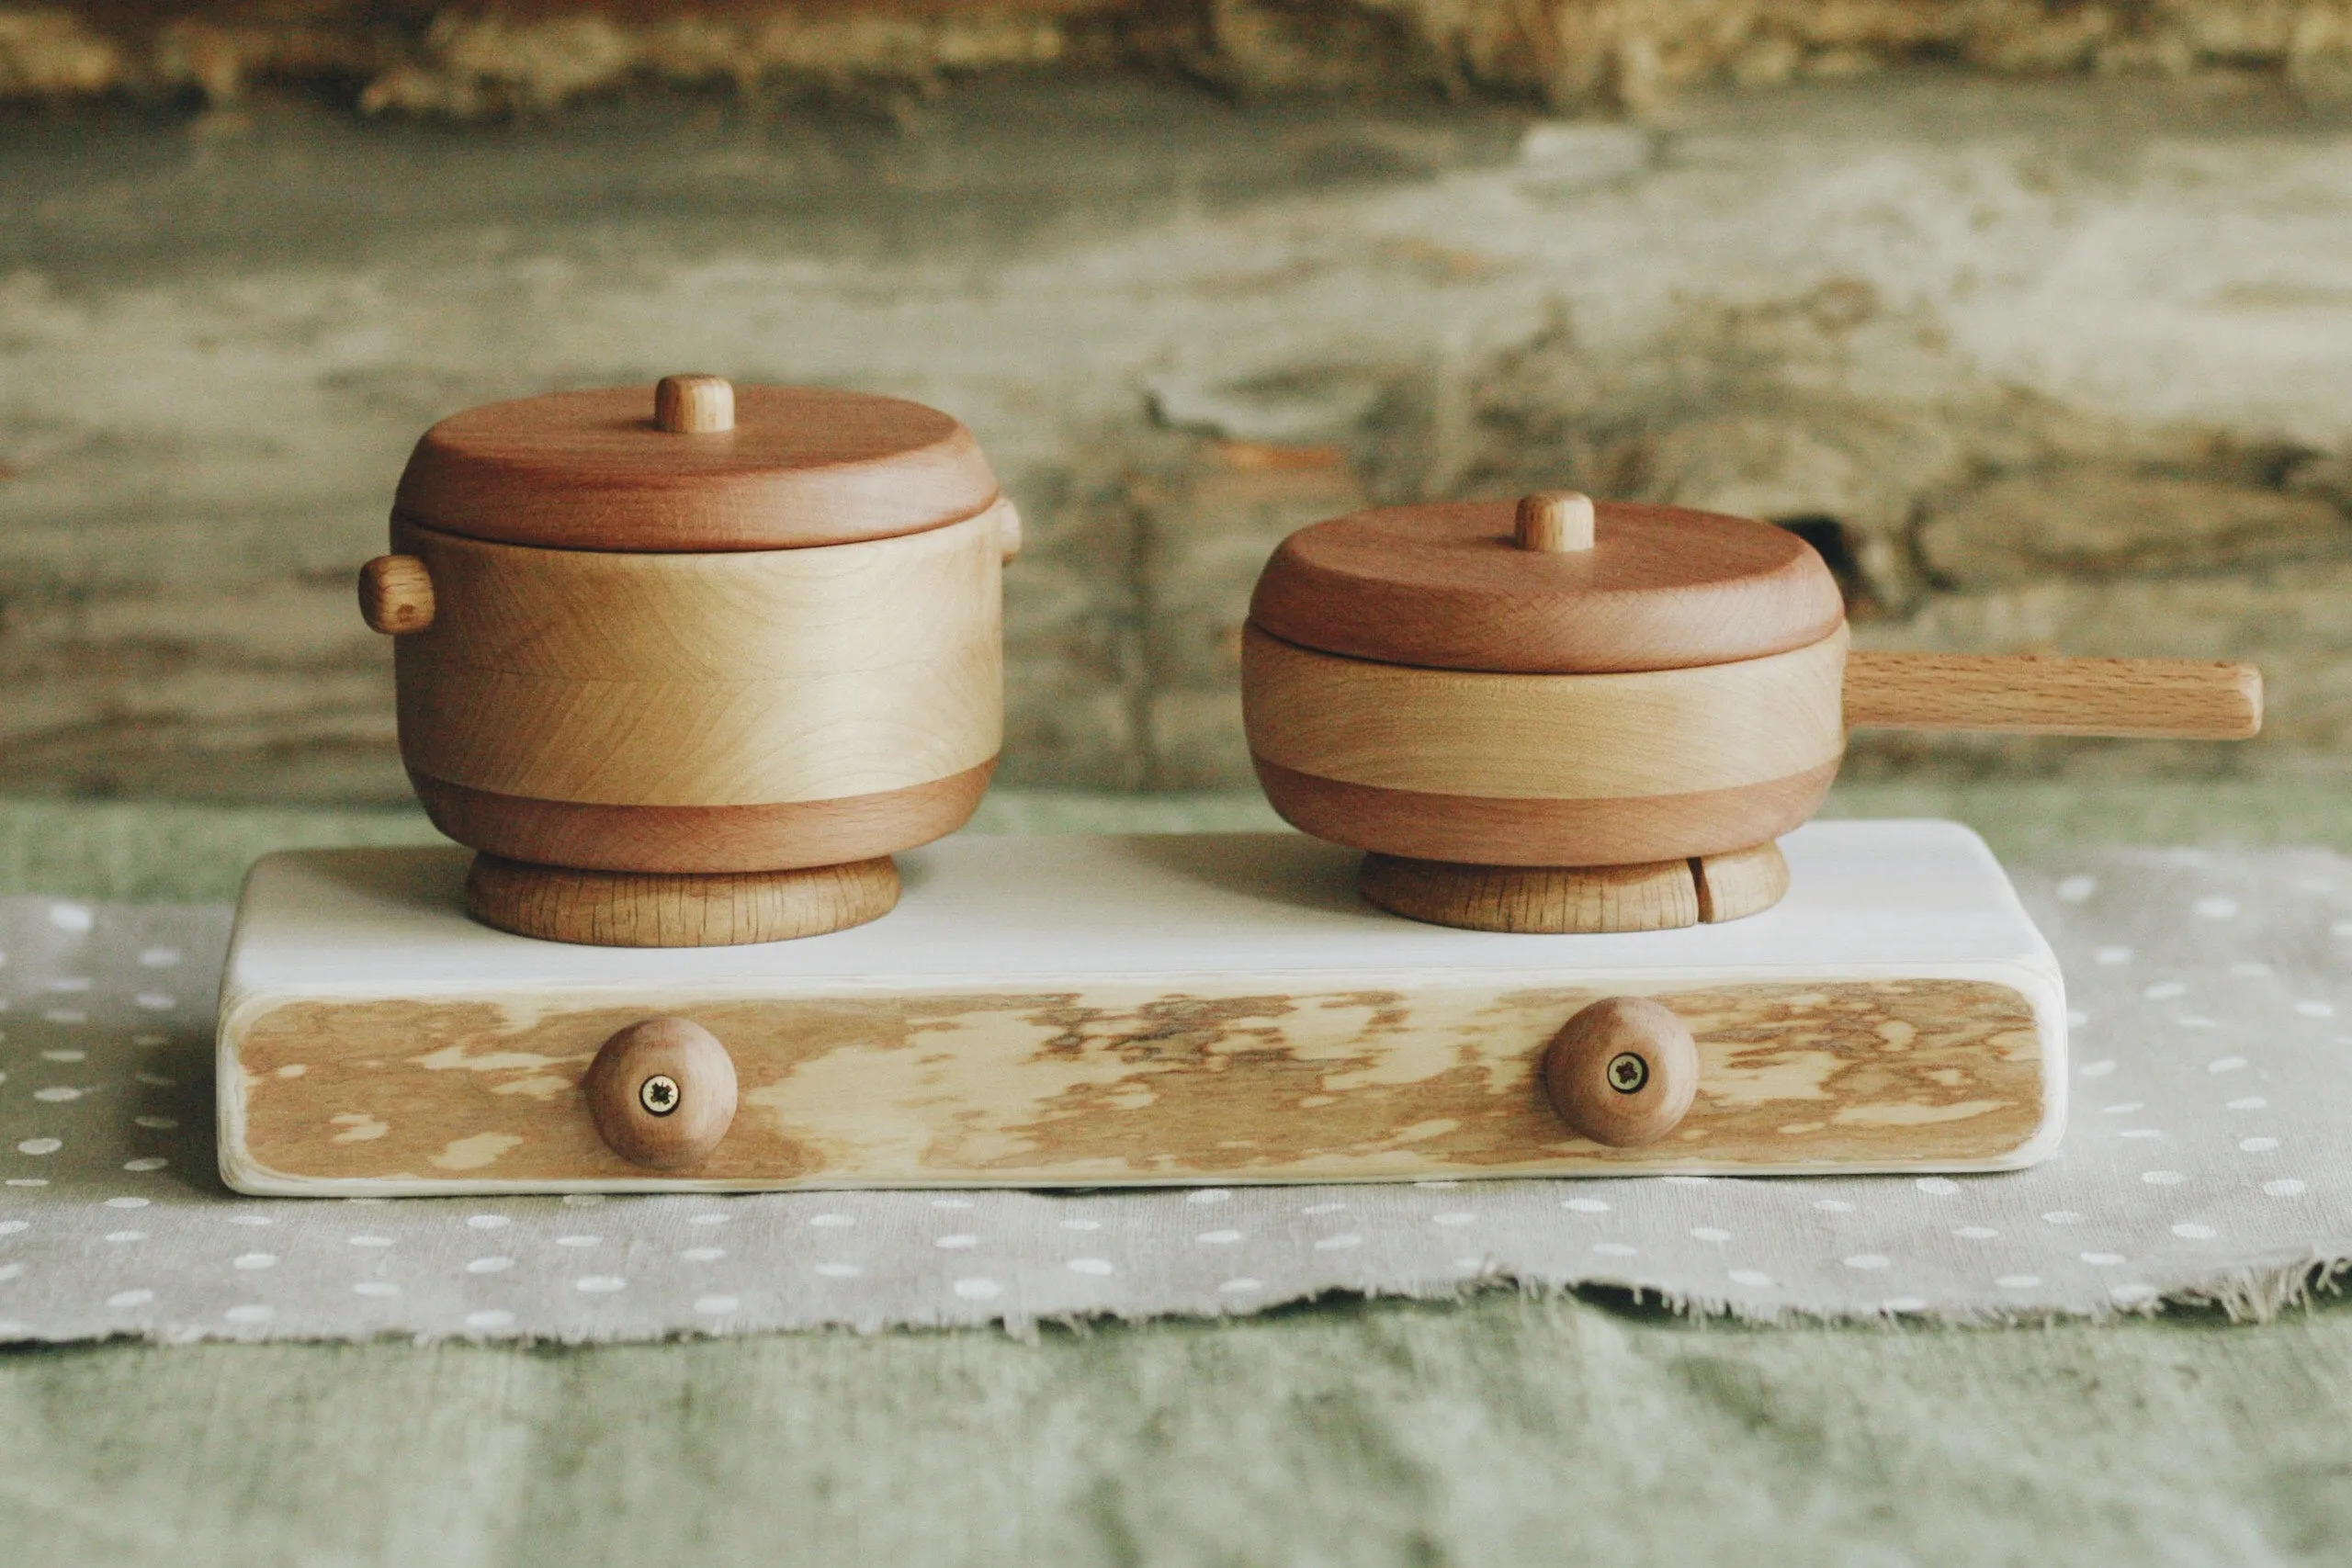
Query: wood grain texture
{"type": "Point", "coordinates": [1444, 586]}
{"type": "Point", "coordinates": [704, 838]}
{"type": "Point", "coordinates": [396, 595]}
{"type": "Point", "coordinates": [1114, 1083]}
{"type": "Point", "coordinates": [605, 908]}
{"type": "Point", "coordinates": [1742, 882]}
{"type": "Point", "coordinates": [1622, 1072]}
{"type": "Point", "coordinates": [711, 617]}
{"type": "Point", "coordinates": [1657, 897]}
{"type": "Point", "coordinates": [592, 471]}
{"type": "Point", "coordinates": [1484, 830]}
{"type": "Point", "coordinates": [1662, 732]}
{"type": "Point", "coordinates": [2180, 699]}
{"type": "Point", "coordinates": [661, 1093]}
{"type": "Point", "coordinates": [744, 679]}
{"type": "Point", "coordinates": [693, 406]}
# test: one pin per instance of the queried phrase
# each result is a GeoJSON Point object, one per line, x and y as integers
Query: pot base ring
{"type": "Point", "coordinates": [629, 909]}
{"type": "Point", "coordinates": [1658, 896]}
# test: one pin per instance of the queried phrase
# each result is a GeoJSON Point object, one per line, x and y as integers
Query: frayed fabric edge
{"type": "Point", "coordinates": [2252, 1294]}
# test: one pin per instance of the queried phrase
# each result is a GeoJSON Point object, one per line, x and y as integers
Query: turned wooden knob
{"type": "Point", "coordinates": [662, 1093]}
{"type": "Point", "coordinates": [1622, 1072]}
{"type": "Point", "coordinates": [395, 595]}
{"type": "Point", "coordinates": [1554, 522]}
{"type": "Point", "coordinates": [695, 405]}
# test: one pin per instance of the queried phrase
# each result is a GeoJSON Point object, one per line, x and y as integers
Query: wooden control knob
{"type": "Point", "coordinates": [662, 1093]}
{"type": "Point", "coordinates": [1622, 1072]}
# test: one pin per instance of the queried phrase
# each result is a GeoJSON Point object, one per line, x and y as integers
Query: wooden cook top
{"type": "Point", "coordinates": [1444, 586]}
{"type": "Point", "coordinates": [1045, 1013]}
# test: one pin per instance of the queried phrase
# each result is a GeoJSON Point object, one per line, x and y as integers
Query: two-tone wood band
{"type": "Point", "coordinates": [1543, 769]}
{"type": "Point", "coordinates": [704, 839]}
{"type": "Point", "coordinates": [742, 678]}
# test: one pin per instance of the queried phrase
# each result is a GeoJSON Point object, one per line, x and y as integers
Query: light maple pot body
{"type": "Point", "coordinates": [1614, 768]}
{"type": "Point", "coordinates": [769, 646]}
{"type": "Point", "coordinates": [744, 711]}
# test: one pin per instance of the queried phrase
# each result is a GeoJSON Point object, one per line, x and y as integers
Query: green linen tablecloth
{"type": "Point", "coordinates": [1508, 1430]}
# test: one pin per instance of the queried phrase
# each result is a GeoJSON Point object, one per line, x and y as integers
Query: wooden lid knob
{"type": "Point", "coordinates": [662, 1093]}
{"type": "Point", "coordinates": [1622, 1072]}
{"type": "Point", "coordinates": [693, 406]}
{"type": "Point", "coordinates": [1554, 522]}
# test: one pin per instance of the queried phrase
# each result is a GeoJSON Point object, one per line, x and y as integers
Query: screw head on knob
{"type": "Point", "coordinates": [661, 1093]}
{"type": "Point", "coordinates": [658, 1094]}
{"type": "Point", "coordinates": [1622, 1072]}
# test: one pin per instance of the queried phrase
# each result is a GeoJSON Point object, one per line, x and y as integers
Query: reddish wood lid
{"type": "Point", "coordinates": [1448, 586]}
{"type": "Point", "coordinates": [746, 469]}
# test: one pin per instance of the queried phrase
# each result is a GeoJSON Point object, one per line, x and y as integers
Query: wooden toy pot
{"type": "Point", "coordinates": [1559, 718]}
{"type": "Point", "coordinates": [686, 665]}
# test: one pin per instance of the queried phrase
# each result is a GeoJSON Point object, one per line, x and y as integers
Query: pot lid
{"type": "Point", "coordinates": [1553, 585]}
{"type": "Point", "coordinates": [695, 465]}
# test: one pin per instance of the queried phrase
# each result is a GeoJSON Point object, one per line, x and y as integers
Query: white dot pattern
{"type": "Point", "coordinates": [2208, 994]}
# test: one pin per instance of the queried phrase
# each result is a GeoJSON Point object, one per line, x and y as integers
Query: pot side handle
{"type": "Point", "coordinates": [1008, 525]}
{"type": "Point", "coordinates": [2175, 699]}
{"type": "Point", "coordinates": [395, 595]}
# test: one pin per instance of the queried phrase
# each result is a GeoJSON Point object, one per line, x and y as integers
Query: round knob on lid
{"type": "Point", "coordinates": [1622, 1072]}
{"type": "Point", "coordinates": [695, 405]}
{"type": "Point", "coordinates": [1554, 522]}
{"type": "Point", "coordinates": [662, 1093]}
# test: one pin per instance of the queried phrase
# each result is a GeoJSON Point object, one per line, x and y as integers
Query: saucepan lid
{"type": "Point", "coordinates": [700, 464]}
{"type": "Point", "coordinates": [1452, 586]}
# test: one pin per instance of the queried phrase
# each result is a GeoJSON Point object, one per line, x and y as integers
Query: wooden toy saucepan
{"type": "Point", "coordinates": [688, 664]}
{"type": "Point", "coordinates": [1569, 717]}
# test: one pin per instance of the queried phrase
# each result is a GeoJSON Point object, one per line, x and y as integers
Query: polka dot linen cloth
{"type": "Point", "coordinates": [2205, 1159]}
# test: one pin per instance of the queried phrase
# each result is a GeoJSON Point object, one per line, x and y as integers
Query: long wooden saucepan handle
{"type": "Point", "coordinates": [2180, 699]}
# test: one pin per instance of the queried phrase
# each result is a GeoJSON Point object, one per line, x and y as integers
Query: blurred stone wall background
{"type": "Point", "coordinates": [2036, 318]}
{"type": "Point", "coordinates": [476, 58]}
